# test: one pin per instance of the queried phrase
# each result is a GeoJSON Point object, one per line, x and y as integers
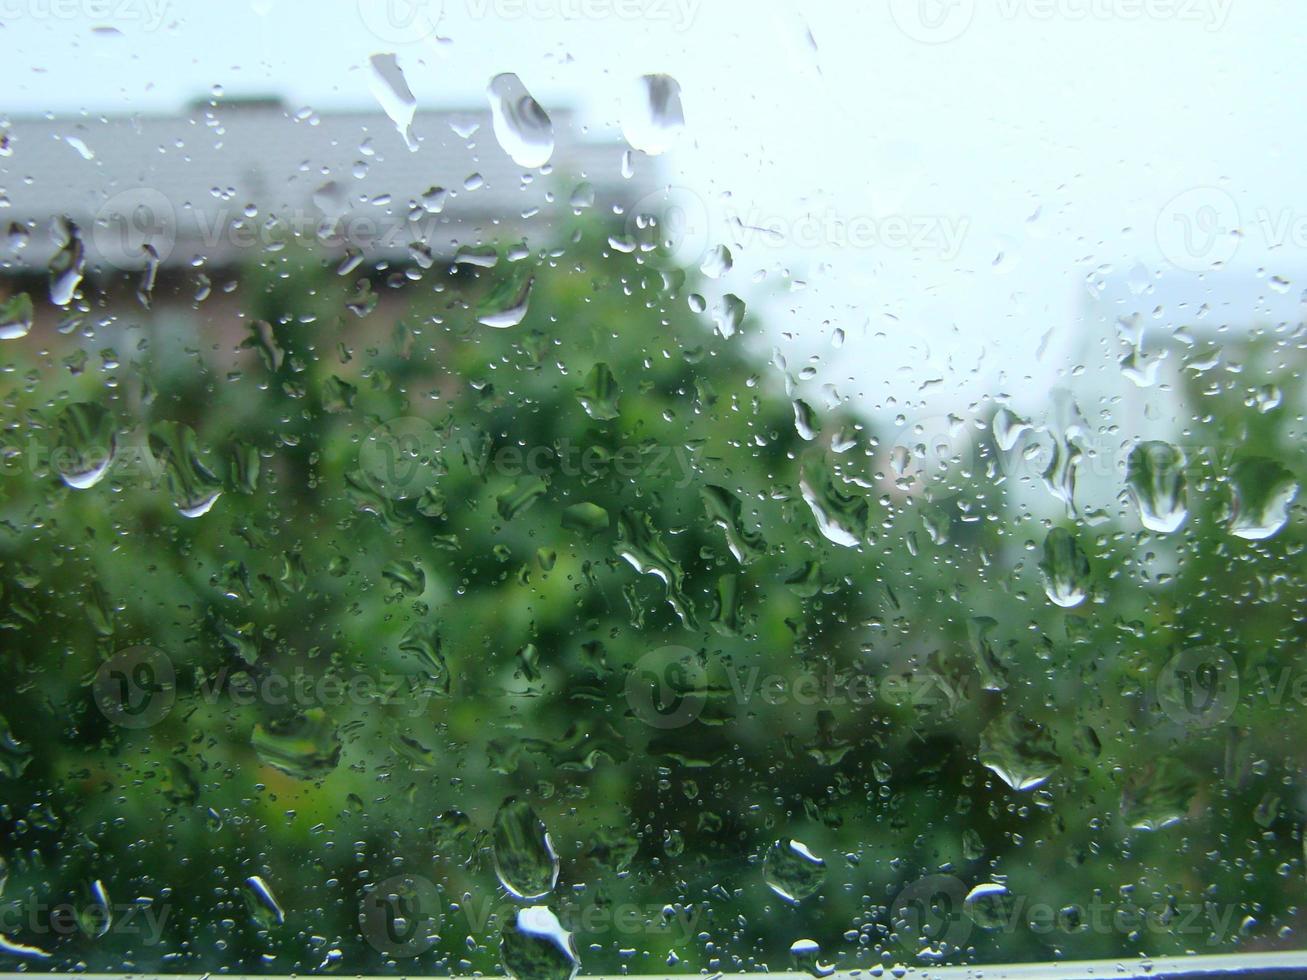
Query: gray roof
{"type": "Point", "coordinates": [184, 183]}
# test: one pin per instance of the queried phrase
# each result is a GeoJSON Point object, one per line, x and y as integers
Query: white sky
{"type": "Point", "coordinates": [1090, 114]}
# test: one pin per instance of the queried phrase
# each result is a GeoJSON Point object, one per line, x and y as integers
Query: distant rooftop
{"type": "Point", "coordinates": [208, 182]}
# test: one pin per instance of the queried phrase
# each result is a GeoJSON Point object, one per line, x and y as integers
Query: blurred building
{"type": "Point", "coordinates": [229, 181]}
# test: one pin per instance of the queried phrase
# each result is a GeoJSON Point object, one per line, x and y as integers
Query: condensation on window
{"type": "Point", "coordinates": [646, 487]}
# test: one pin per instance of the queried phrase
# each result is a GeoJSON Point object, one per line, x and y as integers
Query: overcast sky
{"type": "Point", "coordinates": [948, 175]}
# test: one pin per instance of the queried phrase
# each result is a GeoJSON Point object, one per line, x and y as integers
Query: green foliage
{"type": "Point", "coordinates": [372, 653]}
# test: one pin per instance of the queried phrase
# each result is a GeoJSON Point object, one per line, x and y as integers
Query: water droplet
{"type": "Point", "coordinates": [1018, 751]}
{"type": "Point", "coordinates": [363, 300]}
{"type": "Point", "coordinates": [1261, 491]}
{"type": "Point", "coordinates": [792, 871]}
{"type": "Point", "coordinates": [12, 947]}
{"type": "Point", "coordinates": [305, 747]}
{"type": "Point", "coordinates": [149, 275]}
{"type": "Point", "coordinates": [525, 861]}
{"type": "Point", "coordinates": [641, 545]}
{"type": "Point", "coordinates": [422, 641]}
{"type": "Point", "coordinates": [587, 517]}
{"type": "Point", "coordinates": [67, 265]}
{"type": "Point", "coordinates": [464, 125]}
{"type": "Point", "coordinates": [521, 125]}
{"type": "Point", "coordinates": [433, 199]}
{"type": "Point", "coordinates": [520, 496]}
{"type": "Point", "coordinates": [599, 394]}
{"type": "Point", "coordinates": [194, 486]}
{"type": "Point", "coordinates": [261, 903]}
{"type": "Point", "coordinates": [807, 957]}
{"type": "Point", "coordinates": [86, 444]}
{"type": "Point", "coordinates": [16, 315]}
{"type": "Point", "coordinates": [1065, 569]}
{"type": "Point", "coordinates": [990, 906]}
{"type": "Point", "coordinates": [805, 420]}
{"type": "Point", "coordinates": [583, 196]}
{"type": "Point", "coordinates": [95, 916]}
{"type": "Point", "coordinates": [717, 262]}
{"type": "Point", "coordinates": [480, 256]}
{"type": "Point", "coordinates": [728, 314]}
{"type": "Point", "coordinates": [331, 199]}
{"type": "Point", "coordinates": [655, 118]}
{"type": "Point", "coordinates": [14, 755]}
{"type": "Point", "coordinates": [392, 92]}
{"type": "Point", "coordinates": [1008, 428]}
{"type": "Point", "coordinates": [991, 668]}
{"type": "Point", "coordinates": [1267, 398]}
{"type": "Point", "coordinates": [724, 510]}
{"type": "Point", "coordinates": [535, 946]}
{"type": "Point", "coordinates": [841, 517]}
{"type": "Point", "coordinates": [973, 846]}
{"type": "Point", "coordinates": [406, 577]}
{"type": "Point", "coordinates": [506, 305]}
{"type": "Point", "coordinates": [1156, 481]}
{"type": "Point", "coordinates": [1158, 795]}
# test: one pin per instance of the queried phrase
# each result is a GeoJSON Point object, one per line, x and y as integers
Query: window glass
{"type": "Point", "coordinates": [650, 486]}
